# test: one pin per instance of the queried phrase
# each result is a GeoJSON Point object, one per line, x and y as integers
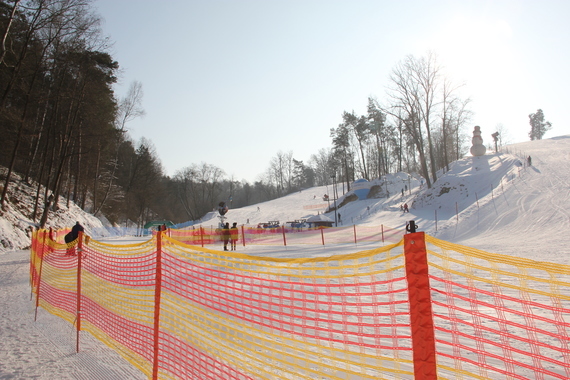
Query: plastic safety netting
{"type": "Point", "coordinates": [420, 308]}
{"type": "Point", "coordinates": [497, 316]}
{"type": "Point", "coordinates": [281, 235]}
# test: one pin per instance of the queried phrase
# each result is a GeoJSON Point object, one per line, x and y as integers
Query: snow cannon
{"type": "Point", "coordinates": [222, 209]}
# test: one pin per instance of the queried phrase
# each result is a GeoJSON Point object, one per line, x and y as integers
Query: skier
{"type": "Point", "coordinates": [406, 207]}
{"type": "Point", "coordinates": [226, 235]}
{"type": "Point", "coordinates": [234, 236]}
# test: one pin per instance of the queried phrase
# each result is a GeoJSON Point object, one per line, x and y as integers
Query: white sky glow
{"type": "Point", "coordinates": [231, 83]}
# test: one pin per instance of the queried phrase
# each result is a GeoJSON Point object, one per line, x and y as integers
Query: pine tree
{"type": "Point", "coordinates": [538, 127]}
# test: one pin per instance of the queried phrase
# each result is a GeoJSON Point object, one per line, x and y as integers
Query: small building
{"type": "Point", "coordinates": [320, 220]}
{"type": "Point", "coordinates": [155, 224]}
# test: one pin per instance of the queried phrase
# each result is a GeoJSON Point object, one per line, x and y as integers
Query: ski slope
{"type": "Point", "coordinates": [502, 206]}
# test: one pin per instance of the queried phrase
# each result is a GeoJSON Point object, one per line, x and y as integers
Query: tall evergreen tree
{"type": "Point", "coordinates": [341, 148]}
{"type": "Point", "coordinates": [538, 127]}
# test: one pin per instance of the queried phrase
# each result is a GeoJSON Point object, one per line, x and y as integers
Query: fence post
{"type": "Point", "coordinates": [382, 232]}
{"type": "Point", "coordinates": [323, 235]}
{"type": "Point", "coordinates": [354, 225]}
{"type": "Point", "coordinates": [243, 235]}
{"type": "Point", "coordinates": [421, 314]}
{"type": "Point", "coordinates": [284, 240]}
{"type": "Point", "coordinates": [435, 211]}
{"type": "Point", "coordinates": [79, 262]}
{"type": "Point", "coordinates": [202, 235]}
{"type": "Point", "coordinates": [157, 293]}
{"type": "Point", "coordinates": [457, 211]}
{"type": "Point", "coordinates": [43, 244]}
{"type": "Point", "coordinates": [33, 256]}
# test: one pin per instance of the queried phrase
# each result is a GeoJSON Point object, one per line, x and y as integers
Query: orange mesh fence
{"type": "Point", "coordinates": [234, 316]}
{"type": "Point", "coordinates": [198, 235]}
{"type": "Point", "coordinates": [421, 308]}
{"type": "Point", "coordinates": [497, 316]}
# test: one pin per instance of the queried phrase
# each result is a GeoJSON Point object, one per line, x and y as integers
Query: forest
{"type": "Point", "coordinates": [64, 129]}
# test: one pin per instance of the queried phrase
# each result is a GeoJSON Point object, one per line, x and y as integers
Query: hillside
{"type": "Point", "coordinates": [16, 221]}
{"type": "Point", "coordinates": [495, 203]}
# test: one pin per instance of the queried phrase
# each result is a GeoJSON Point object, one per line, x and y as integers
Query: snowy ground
{"type": "Point", "coordinates": [45, 349]}
{"type": "Point", "coordinates": [494, 203]}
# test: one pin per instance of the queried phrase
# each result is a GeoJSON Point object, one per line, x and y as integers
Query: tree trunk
{"type": "Point", "coordinates": [6, 31]}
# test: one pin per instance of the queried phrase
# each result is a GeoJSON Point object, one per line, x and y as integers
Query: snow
{"type": "Point", "coordinates": [496, 203]}
{"type": "Point", "coordinates": [16, 221]}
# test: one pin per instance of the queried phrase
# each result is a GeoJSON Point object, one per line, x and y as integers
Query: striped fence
{"type": "Point", "coordinates": [354, 234]}
{"type": "Point", "coordinates": [421, 308]}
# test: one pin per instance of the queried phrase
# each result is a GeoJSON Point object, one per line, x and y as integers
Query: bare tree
{"type": "Point", "coordinates": [130, 106]}
{"type": "Point", "coordinates": [323, 166]}
{"type": "Point", "coordinates": [7, 31]}
{"type": "Point", "coordinates": [281, 171]}
{"type": "Point", "coordinates": [128, 110]}
{"type": "Point", "coordinates": [404, 104]}
{"type": "Point", "coordinates": [504, 137]}
{"type": "Point", "coordinates": [198, 188]}
{"type": "Point", "coordinates": [419, 96]}
{"type": "Point", "coordinates": [454, 116]}
{"type": "Point", "coordinates": [426, 72]}
{"type": "Point", "coordinates": [53, 29]}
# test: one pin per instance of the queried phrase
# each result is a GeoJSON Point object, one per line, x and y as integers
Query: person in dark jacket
{"type": "Point", "coordinates": [76, 229]}
{"type": "Point", "coordinates": [71, 236]}
{"type": "Point", "coordinates": [226, 235]}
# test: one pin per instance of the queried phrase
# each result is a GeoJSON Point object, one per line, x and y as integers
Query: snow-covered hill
{"type": "Point", "coordinates": [16, 217]}
{"type": "Point", "coordinates": [503, 206]}
{"type": "Point", "coordinates": [495, 203]}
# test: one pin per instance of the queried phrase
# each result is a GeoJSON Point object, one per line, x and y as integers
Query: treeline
{"type": "Point", "coordinates": [419, 128]}
{"type": "Point", "coordinates": [63, 128]}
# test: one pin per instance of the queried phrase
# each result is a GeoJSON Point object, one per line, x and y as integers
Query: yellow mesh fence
{"type": "Point", "coordinates": [180, 311]}
{"type": "Point", "coordinates": [498, 316]}
{"type": "Point", "coordinates": [282, 235]}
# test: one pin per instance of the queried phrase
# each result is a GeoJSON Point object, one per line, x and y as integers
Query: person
{"type": "Point", "coordinates": [226, 235]}
{"type": "Point", "coordinates": [402, 192]}
{"type": "Point", "coordinates": [234, 235]}
{"type": "Point", "coordinates": [76, 229]}
{"type": "Point", "coordinates": [406, 207]}
{"type": "Point", "coordinates": [529, 161]}
{"type": "Point", "coordinates": [71, 236]}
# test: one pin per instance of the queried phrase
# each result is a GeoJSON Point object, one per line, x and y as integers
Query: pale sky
{"type": "Point", "coordinates": [231, 83]}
